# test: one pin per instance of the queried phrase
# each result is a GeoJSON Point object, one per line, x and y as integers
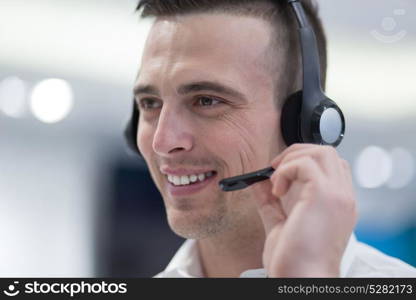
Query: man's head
{"type": "Point", "coordinates": [213, 78]}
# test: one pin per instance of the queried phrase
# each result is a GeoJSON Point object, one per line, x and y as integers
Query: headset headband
{"type": "Point", "coordinates": [320, 121]}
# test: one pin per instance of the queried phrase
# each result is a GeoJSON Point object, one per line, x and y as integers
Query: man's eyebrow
{"type": "Point", "coordinates": [192, 87]}
{"type": "Point", "coordinates": [145, 89]}
{"type": "Point", "coordinates": [209, 86]}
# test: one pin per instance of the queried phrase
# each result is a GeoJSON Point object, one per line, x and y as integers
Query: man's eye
{"type": "Point", "coordinates": [148, 104]}
{"type": "Point", "coordinates": [207, 101]}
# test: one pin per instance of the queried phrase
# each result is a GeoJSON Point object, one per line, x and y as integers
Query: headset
{"type": "Point", "coordinates": [308, 116]}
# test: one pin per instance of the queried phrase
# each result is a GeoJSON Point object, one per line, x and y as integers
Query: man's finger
{"type": "Point", "coordinates": [290, 149]}
{"type": "Point", "coordinates": [326, 157]}
{"type": "Point", "coordinates": [303, 169]}
{"type": "Point", "coordinates": [269, 207]}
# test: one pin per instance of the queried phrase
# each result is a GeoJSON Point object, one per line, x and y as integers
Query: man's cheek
{"type": "Point", "coordinates": [238, 142]}
{"type": "Point", "coordinates": [145, 141]}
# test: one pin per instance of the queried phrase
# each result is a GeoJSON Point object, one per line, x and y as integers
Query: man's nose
{"type": "Point", "coordinates": [173, 134]}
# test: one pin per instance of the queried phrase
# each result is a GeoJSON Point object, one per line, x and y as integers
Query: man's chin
{"type": "Point", "coordinates": [194, 225]}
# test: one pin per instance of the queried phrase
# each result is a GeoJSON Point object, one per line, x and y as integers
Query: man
{"type": "Point", "coordinates": [213, 79]}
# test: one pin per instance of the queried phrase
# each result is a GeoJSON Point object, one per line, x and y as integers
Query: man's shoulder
{"type": "Point", "coordinates": [370, 262]}
{"type": "Point", "coordinates": [365, 261]}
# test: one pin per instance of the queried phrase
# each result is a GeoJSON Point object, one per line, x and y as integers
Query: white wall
{"type": "Point", "coordinates": [47, 198]}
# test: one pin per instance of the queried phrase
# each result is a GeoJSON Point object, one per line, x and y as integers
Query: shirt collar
{"type": "Point", "coordinates": [186, 262]}
{"type": "Point", "coordinates": [348, 256]}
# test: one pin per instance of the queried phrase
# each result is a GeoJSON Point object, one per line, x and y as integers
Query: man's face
{"type": "Point", "coordinates": [207, 112]}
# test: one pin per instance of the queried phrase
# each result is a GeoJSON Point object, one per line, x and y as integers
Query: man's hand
{"type": "Point", "coordinates": [310, 213]}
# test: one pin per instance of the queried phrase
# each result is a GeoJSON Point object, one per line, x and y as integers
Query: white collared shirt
{"type": "Point", "coordinates": [359, 260]}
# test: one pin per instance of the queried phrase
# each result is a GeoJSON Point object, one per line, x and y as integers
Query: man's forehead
{"type": "Point", "coordinates": [210, 31]}
{"type": "Point", "coordinates": [207, 46]}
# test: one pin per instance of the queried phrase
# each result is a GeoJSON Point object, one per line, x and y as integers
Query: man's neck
{"type": "Point", "coordinates": [232, 253]}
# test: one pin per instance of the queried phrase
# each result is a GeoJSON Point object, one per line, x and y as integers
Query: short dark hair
{"type": "Point", "coordinates": [277, 13]}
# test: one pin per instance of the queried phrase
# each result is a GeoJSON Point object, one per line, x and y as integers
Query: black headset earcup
{"type": "Point", "coordinates": [130, 132]}
{"type": "Point", "coordinates": [290, 119]}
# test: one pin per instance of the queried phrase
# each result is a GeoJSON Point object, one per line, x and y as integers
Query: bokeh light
{"type": "Point", "coordinates": [403, 168]}
{"type": "Point", "coordinates": [373, 167]}
{"type": "Point", "coordinates": [13, 96]}
{"type": "Point", "coordinates": [51, 100]}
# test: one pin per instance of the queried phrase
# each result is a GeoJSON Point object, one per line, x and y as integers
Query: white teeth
{"type": "Point", "coordinates": [188, 179]}
{"type": "Point", "coordinates": [176, 180]}
{"type": "Point", "coordinates": [184, 180]}
{"type": "Point", "coordinates": [201, 177]}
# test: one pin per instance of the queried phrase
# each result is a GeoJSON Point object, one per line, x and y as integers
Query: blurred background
{"type": "Point", "coordinates": [74, 202]}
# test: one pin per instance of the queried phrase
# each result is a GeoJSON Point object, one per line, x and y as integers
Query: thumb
{"type": "Point", "coordinates": [269, 207]}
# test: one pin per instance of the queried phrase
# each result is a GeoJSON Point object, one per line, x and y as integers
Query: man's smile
{"type": "Point", "coordinates": [183, 181]}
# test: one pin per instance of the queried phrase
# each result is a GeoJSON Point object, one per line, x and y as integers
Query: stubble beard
{"type": "Point", "coordinates": [191, 223]}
